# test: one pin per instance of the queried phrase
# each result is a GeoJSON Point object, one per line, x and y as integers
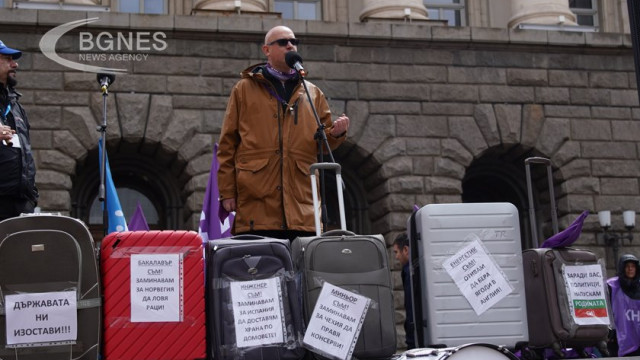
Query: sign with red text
{"type": "Point", "coordinates": [587, 297]}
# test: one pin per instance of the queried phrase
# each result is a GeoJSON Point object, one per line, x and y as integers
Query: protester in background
{"type": "Point", "coordinates": [401, 251]}
{"type": "Point", "coordinates": [18, 193]}
{"type": "Point", "coordinates": [267, 145]}
{"type": "Point", "coordinates": [625, 302]}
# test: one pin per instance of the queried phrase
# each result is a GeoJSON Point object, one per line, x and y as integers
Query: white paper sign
{"type": "Point", "coordinates": [587, 298]}
{"type": "Point", "coordinates": [336, 321]}
{"type": "Point", "coordinates": [477, 276]}
{"type": "Point", "coordinates": [15, 139]}
{"type": "Point", "coordinates": [39, 319]}
{"type": "Point", "coordinates": [156, 288]}
{"type": "Point", "coordinates": [258, 312]}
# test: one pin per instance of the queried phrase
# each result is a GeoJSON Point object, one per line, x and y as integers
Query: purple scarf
{"type": "Point", "coordinates": [626, 314]}
{"type": "Point", "coordinates": [280, 75]}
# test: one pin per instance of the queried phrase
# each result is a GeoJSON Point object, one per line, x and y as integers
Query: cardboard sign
{"type": "Point", "coordinates": [478, 276]}
{"type": "Point", "coordinates": [336, 322]}
{"type": "Point", "coordinates": [258, 312]}
{"type": "Point", "coordinates": [41, 319]}
{"type": "Point", "coordinates": [587, 297]}
{"type": "Point", "coordinates": [156, 288]}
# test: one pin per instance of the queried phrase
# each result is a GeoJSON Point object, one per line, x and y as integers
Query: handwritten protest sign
{"type": "Point", "coordinates": [336, 321]}
{"type": "Point", "coordinates": [40, 319]}
{"type": "Point", "coordinates": [477, 276]}
{"type": "Point", "coordinates": [156, 288]}
{"type": "Point", "coordinates": [585, 289]}
{"type": "Point", "coordinates": [258, 312]}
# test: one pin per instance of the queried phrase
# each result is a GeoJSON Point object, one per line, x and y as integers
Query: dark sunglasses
{"type": "Point", "coordinates": [284, 42]}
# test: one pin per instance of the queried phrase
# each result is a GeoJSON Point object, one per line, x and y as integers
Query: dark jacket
{"type": "Point", "coordinates": [631, 287]}
{"type": "Point", "coordinates": [409, 325]}
{"type": "Point", "coordinates": [18, 175]}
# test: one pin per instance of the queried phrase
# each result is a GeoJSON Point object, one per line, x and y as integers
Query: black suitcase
{"type": "Point", "coordinates": [251, 262]}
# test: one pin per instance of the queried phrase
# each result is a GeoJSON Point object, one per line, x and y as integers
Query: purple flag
{"type": "Point", "coordinates": [626, 314]}
{"type": "Point", "coordinates": [567, 236]}
{"type": "Point", "coordinates": [215, 222]}
{"type": "Point", "coordinates": [138, 222]}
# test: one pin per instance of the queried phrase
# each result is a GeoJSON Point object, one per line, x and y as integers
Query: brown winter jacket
{"type": "Point", "coordinates": [265, 154]}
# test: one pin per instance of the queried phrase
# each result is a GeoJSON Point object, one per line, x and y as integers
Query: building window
{"type": "Point", "coordinates": [586, 12]}
{"type": "Point", "coordinates": [450, 10]}
{"type": "Point", "coordinates": [143, 6]}
{"type": "Point", "coordinates": [299, 10]}
{"type": "Point", "coordinates": [129, 200]}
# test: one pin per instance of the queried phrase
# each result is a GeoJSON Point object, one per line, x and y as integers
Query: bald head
{"type": "Point", "coordinates": [275, 32]}
{"type": "Point", "coordinates": [275, 51]}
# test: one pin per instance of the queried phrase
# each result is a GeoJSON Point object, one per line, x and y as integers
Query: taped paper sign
{"type": "Point", "coordinates": [258, 312]}
{"type": "Point", "coordinates": [585, 289]}
{"type": "Point", "coordinates": [478, 276]}
{"type": "Point", "coordinates": [41, 319]}
{"type": "Point", "coordinates": [156, 288]}
{"type": "Point", "coordinates": [336, 321]}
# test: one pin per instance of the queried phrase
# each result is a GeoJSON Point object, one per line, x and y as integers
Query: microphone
{"type": "Point", "coordinates": [294, 60]}
{"type": "Point", "coordinates": [105, 79]}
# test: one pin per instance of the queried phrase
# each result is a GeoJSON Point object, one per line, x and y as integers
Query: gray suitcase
{"type": "Point", "coordinates": [550, 321]}
{"type": "Point", "coordinates": [48, 254]}
{"type": "Point", "coordinates": [442, 314]}
{"type": "Point", "coordinates": [356, 263]}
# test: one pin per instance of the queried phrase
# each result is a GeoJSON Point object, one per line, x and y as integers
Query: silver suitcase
{"type": "Point", "coordinates": [442, 314]}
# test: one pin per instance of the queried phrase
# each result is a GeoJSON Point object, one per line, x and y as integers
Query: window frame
{"type": "Point", "coordinates": [440, 8]}
{"type": "Point", "coordinates": [593, 12]}
{"type": "Point", "coordinates": [165, 7]}
{"type": "Point", "coordinates": [295, 3]}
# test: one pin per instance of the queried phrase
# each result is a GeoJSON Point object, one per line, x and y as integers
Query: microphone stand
{"type": "Point", "coordinates": [321, 139]}
{"type": "Point", "coordinates": [103, 143]}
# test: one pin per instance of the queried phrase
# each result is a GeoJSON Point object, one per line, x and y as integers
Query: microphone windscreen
{"type": "Point", "coordinates": [292, 57]}
{"type": "Point", "coordinates": [101, 76]}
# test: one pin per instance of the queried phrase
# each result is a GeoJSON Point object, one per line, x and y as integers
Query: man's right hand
{"type": "Point", "coordinates": [6, 134]}
{"type": "Point", "coordinates": [229, 204]}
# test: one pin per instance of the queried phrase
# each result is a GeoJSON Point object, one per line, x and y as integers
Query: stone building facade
{"type": "Point", "coordinates": [439, 113]}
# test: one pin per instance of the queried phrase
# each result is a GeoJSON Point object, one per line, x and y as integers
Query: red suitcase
{"type": "Point", "coordinates": [153, 287]}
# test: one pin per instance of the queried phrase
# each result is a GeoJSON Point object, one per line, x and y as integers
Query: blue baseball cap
{"type": "Point", "coordinates": [5, 50]}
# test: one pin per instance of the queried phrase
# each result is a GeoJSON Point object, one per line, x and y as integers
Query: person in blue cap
{"type": "Point", "coordinates": [18, 192]}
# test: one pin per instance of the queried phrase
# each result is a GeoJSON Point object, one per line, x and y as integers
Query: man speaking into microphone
{"type": "Point", "coordinates": [267, 144]}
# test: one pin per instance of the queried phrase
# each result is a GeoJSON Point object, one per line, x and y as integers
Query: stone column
{"type": "Point", "coordinates": [393, 9]}
{"type": "Point", "coordinates": [231, 5]}
{"type": "Point", "coordinates": [543, 12]}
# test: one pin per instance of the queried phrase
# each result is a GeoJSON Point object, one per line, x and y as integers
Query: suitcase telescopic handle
{"type": "Point", "coordinates": [552, 198]}
{"type": "Point", "coordinates": [314, 192]}
{"type": "Point", "coordinates": [537, 160]}
{"type": "Point", "coordinates": [338, 233]}
{"type": "Point", "coordinates": [247, 237]}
